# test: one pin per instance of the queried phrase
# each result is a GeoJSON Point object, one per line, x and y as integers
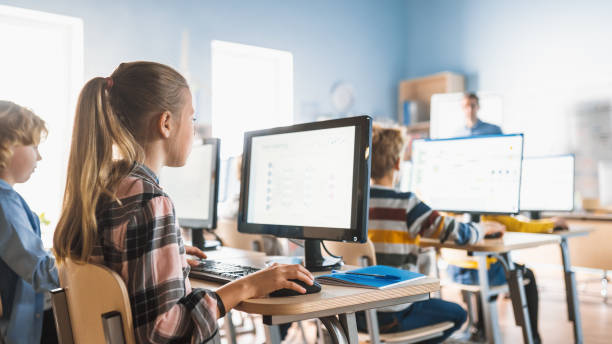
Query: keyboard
{"type": "Point", "coordinates": [216, 271]}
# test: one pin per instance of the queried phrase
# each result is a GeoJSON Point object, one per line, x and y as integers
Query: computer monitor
{"type": "Point", "coordinates": [308, 181]}
{"type": "Point", "coordinates": [194, 189]}
{"type": "Point", "coordinates": [478, 175]}
{"type": "Point", "coordinates": [547, 184]}
{"type": "Point", "coordinates": [447, 119]}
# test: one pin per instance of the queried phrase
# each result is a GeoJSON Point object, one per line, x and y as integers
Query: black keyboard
{"type": "Point", "coordinates": [215, 271]}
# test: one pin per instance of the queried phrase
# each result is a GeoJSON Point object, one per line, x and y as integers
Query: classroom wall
{"type": "Point", "coordinates": [550, 60]}
{"type": "Point", "coordinates": [536, 53]}
{"type": "Point", "coordinates": [358, 41]}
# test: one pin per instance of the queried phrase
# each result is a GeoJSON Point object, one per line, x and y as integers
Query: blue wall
{"type": "Point", "coordinates": [544, 57]}
{"type": "Point", "coordinates": [358, 41]}
{"type": "Point", "coordinates": [510, 44]}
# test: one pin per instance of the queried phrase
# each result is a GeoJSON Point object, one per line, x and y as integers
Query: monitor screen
{"type": "Point", "coordinates": [547, 183]}
{"type": "Point", "coordinates": [308, 180]}
{"type": "Point", "coordinates": [479, 174]}
{"type": "Point", "coordinates": [193, 187]}
{"type": "Point", "coordinates": [448, 119]}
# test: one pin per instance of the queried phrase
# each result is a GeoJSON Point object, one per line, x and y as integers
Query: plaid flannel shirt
{"type": "Point", "coordinates": [139, 238]}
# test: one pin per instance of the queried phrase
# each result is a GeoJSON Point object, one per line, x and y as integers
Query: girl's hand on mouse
{"type": "Point", "coordinates": [263, 282]}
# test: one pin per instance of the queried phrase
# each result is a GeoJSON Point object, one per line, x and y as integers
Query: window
{"type": "Point", "coordinates": [41, 66]}
{"type": "Point", "coordinates": [252, 88]}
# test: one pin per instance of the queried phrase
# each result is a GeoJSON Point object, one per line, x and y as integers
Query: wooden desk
{"type": "Point", "coordinates": [501, 248]}
{"type": "Point", "coordinates": [335, 306]}
{"type": "Point", "coordinates": [509, 242]}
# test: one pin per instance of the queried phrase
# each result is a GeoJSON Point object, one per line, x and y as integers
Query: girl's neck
{"type": "Point", "coordinates": [154, 157]}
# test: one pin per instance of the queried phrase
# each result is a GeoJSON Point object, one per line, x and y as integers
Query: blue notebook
{"type": "Point", "coordinates": [372, 277]}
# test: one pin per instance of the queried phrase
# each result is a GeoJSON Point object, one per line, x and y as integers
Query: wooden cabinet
{"type": "Point", "coordinates": [421, 90]}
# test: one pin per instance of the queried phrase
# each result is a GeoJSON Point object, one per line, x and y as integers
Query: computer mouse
{"type": "Point", "coordinates": [310, 289]}
{"type": "Point", "coordinates": [495, 235]}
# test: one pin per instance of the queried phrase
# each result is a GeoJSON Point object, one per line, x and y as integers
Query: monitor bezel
{"type": "Point", "coordinates": [361, 185]}
{"type": "Point", "coordinates": [211, 222]}
{"type": "Point", "coordinates": [573, 156]}
{"type": "Point", "coordinates": [475, 138]}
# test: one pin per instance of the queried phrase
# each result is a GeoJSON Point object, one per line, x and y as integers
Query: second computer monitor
{"type": "Point", "coordinates": [548, 184]}
{"type": "Point", "coordinates": [307, 181]}
{"type": "Point", "coordinates": [194, 187]}
{"type": "Point", "coordinates": [478, 175]}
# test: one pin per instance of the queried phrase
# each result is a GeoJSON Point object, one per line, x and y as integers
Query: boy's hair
{"type": "Point", "coordinates": [387, 145]}
{"type": "Point", "coordinates": [18, 126]}
{"type": "Point", "coordinates": [111, 124]}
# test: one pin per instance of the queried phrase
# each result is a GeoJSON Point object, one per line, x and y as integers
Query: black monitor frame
{"type": "Point", "coordinates": [360, 197]}
{"type": "Point", "coordinates": [476, 214]}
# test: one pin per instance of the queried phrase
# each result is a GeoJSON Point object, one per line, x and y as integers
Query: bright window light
{"type": "Point", "coordinates": [252, 88]}
{"type": "Point", "coordinates": [41, 68]}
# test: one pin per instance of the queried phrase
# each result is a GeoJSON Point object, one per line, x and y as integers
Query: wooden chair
{"type": "Point", "coordinates": [91, 294]}
{"type": "Point", "coordinates": [363, 255]}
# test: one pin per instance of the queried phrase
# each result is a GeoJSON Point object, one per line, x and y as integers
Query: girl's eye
{"type": "Point", "coordinates": [193, 119]}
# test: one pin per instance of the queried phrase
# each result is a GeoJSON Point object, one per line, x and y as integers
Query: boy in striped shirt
{"type": "Point", "coordinates": [397, 220]}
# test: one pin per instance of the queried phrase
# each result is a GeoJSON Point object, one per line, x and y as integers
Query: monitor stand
{"type": "Point", "coordinates": [197, 240]}
{"type": "Point", "coordinates": [314, 260]}
{"type": "Point", "coordinates": [535, 215]}
{"type": "Point", "coordinates": [474, 218]}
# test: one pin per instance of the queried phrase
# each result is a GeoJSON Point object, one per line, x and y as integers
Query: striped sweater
{"type": "Point", "coordinates": [398, 219]}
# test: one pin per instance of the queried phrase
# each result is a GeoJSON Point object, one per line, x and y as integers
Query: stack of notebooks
{"type": "Point", "coordinates": [372, 277]}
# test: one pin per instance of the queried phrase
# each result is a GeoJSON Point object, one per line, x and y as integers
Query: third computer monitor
{"type": "Point", "coordinates": [307, 181]}
{"type": "Point", "coordinates": [548, 184]}
{"type": "Point", "coordinates": [479, 175]}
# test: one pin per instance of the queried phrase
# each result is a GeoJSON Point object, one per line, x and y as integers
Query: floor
{"type": "Point", "coordinates": [554, 326]}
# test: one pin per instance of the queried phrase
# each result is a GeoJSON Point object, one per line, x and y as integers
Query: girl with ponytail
{"type": "Point", "coordinates": [127, 127]}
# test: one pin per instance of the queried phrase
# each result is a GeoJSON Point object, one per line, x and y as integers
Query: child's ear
{"type": "Point", "coordinates": [164, 124]}
{"type": "Point", "coordinates": [396, 166]}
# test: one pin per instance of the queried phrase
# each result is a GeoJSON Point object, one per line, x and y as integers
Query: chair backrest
{"type": "Point", "coordinates": [227, 230]}
{"type": "Point", "coordinates": [91, 291]}
{"type": "Point", "coordinates": [0, 306]}
{"type": "Point", "coordinates": [353, 253]}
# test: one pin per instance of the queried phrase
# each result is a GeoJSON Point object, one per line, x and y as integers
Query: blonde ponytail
{"type": "Point", "coordinates": [106, 144]}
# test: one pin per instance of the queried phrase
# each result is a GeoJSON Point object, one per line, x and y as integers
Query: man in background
{"type": "Point", "coordinates": [473, 125]}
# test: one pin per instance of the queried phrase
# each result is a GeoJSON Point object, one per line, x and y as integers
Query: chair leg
{"type": "Point", "coordinates": [467, 298]}
{"type": "Point", "coordinates": [230, 329]}
{"type": "Point", "coordinates": [301, 326]}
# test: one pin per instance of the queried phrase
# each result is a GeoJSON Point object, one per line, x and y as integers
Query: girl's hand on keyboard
{"type": "Point", "coordinates": [194, 251]}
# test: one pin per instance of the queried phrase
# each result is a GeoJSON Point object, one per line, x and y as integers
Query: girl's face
{"type": "Point", "coordinates": [21, 164]}
{"type": "Point", "coordinates": [183, 139]}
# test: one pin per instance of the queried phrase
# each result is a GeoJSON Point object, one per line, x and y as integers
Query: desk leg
{"type": "Point", "coordinates": [489, 310]}
{"type": "Point", "coordinates": [573, 310]}
{"type": "Point", "coordinates": [373, 329]}
{"type": "Point", "coordinates": [335, 329]}
{"type": "Point", "coordinates": [272, 334]}
{"type": "Point", "coordinates": [517, 294]}
{"type": "Point", "coordinates": [349, 324]}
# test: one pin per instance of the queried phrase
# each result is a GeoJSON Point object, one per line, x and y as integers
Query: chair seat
{"type": "Point", "coordinates": [413, 336]}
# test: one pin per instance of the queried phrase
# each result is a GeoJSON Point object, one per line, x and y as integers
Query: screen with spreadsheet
{"type": "Point", "coordinates": [479, 174]}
